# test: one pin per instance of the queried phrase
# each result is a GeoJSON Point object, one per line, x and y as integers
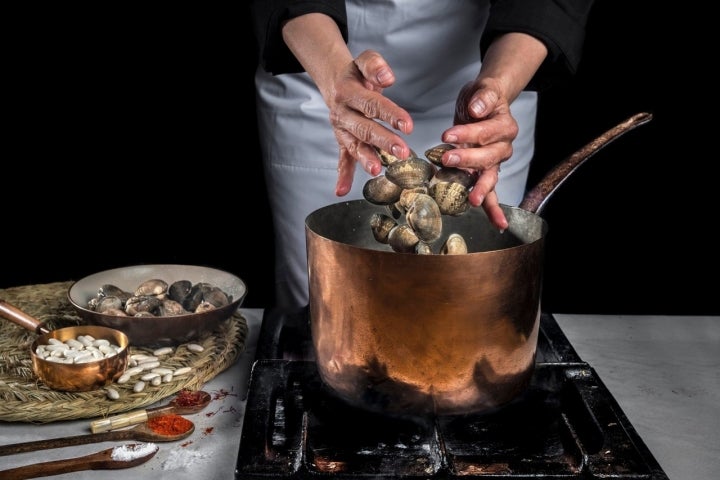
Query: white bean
{"type": "Point", "coordinates": [149, 376]}
{"type": "Point", "coordinates": [133, 371]}
{"type": "Point", "coordinates": [149, 365]}
{"type": "Point", "coordinates": [162, 351]}
{"type": "Point", "coordinates": [162, 370]}
{"type": "Point", "coordinates": [112, 394]}
{"type": "Point", "coordinates": [72, 343]}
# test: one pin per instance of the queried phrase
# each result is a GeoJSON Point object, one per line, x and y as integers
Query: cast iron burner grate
{"type": "Point", "coordinates": [565, 426]}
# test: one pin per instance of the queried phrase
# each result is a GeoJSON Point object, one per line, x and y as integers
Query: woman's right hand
{"type": "Point", "coordinates": [361, 117]}
{"type": "Point", "coordinates": [360, 114]}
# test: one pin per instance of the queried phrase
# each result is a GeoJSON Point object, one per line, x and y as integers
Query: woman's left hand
{"type": "Point", "coordinates": [483, 133]}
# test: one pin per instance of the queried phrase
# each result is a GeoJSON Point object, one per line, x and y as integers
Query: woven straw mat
{"type": "Point", "coordinates": [24, 398]}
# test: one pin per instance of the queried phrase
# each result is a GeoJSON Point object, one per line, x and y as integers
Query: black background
{"type": "Point", "coordinates": [133, 140]}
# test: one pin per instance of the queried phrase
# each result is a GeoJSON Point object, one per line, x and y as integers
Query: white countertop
{"type": "Point", "coordinates": [664, 371]}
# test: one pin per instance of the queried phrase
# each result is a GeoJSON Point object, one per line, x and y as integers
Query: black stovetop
{"type": "Point", "coordinates": [566, 425]}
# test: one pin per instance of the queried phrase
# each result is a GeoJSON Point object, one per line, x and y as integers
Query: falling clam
{"type": "Point", "coordinates": [451, 197]}
{"type": "Point", "coordinates": [454, 245]}
{"type": "Point", "coordinates": [423, 215]}
{"type": "Point", "coordinates": [381, 191]}
{"type": "Point", "coordinates": [414, 172]}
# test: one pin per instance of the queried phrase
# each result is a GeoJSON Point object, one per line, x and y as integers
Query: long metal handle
{"type": "Point", "coordinates": [535, 200]}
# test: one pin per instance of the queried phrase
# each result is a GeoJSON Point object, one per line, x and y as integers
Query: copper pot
{"type": "Point", "coordinates": [432, 334]}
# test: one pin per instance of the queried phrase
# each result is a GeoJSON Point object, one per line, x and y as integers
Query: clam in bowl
{"type": "Point", "coordinates": [158, 305]}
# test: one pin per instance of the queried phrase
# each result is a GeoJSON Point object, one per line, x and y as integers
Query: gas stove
{"type": "Point", "coordinates": [566, 424]}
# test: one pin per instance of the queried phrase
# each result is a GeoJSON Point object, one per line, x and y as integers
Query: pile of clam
{"type": "Point", "coordinates": [423, 190]}
{"type": "Point", "coordinates": [157, 298]}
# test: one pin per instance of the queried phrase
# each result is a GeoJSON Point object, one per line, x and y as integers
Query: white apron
{"type": "Point", "coordinates": [433, 49]}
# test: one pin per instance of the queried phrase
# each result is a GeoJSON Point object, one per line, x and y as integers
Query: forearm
{"type": "Point", "coordinates": [559, 24]}
{"type": "Point", "coordinates": [317, 43]}
{"type": "Point", "coordinates": [512, 60]}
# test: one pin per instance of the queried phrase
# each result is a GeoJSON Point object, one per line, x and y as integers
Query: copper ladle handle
{"type": "Point", "coordinates": [21, 318]}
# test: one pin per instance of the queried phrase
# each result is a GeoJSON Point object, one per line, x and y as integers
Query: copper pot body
{"type": "Point", "coordinates": [416, 334]}
{"type": "Point", "coordinates": [403, 333]}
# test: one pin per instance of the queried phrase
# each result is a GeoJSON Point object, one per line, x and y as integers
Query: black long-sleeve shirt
{"type": "Point", "coordinates": [559, 24]}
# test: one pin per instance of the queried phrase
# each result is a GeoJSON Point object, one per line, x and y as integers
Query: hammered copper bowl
{"type": "Point", "coordinates": [160, 330]}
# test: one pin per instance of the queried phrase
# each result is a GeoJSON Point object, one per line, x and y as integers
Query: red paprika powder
{"type": "Point", "coordinates": [171, 424]}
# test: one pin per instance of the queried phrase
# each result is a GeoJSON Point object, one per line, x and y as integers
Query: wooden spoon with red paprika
{"type": "Point", "coordinates": [186, 402]}
{"type": "Point", "coordinates": [166, 428]}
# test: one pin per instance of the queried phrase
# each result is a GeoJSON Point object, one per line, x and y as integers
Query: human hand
{"type": "Point", "coordinates": [483, 132]}
{"type": "Point", "coordinates": [356, 104]}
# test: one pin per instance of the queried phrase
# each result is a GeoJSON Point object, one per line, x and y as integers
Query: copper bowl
{"type": "Point", "coordinates": [81, 377]}
{"type": "Point", "coordinates": [71, 377]}
{"type": "Point", "coordinates": [159, 330]}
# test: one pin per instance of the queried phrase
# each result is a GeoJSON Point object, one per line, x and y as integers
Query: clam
{"type": "Point", "coordinates": [153, 286]}
{"type": "Point", "coordinates": [386, 158]}
{"type": "Point", "coordinates": [216, 297]}
{"type": "Point", "coordinates": [454, 245]}
{"type": "Point", "coordinates": [169, 308]}
{"type": "Point", "coordinates": [423, 248]}
{"type": "Point", "coordinates": [423, 215]}
{"type": "Point", "coordinates": [465, 178]}
{"type": "Point", "coordinates": [411, 173]}
{"type": "Point", "coordinates": [204, 307]}
{"type": "Point", "coordinates": [193, 298]}
{"type": "Point", "coordinates": [109, 290]}
{"type": "Point", "coordinates": [108, 303]}
{"type": "Point", "coordinates": [179, 289]}
{"type": "Point", "coordinates": [451, 197]}
{"type": "Point", "coordinates": [381, 225]}
{"type": "Point", "coordinates": [381, 191]}
{"type": "Point", "coordinates": [434, 154]}
{"type": "Point", "coordinates": [396, 210]}
{"type": "Point", "coordinates": [142, 304]}
{"type": "Point", "coordinates": [403, 239]}
{"type": "Point", "coordinates": [93, 303]}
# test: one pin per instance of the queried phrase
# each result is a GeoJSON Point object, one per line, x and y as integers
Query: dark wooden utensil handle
{"type": "Point", "coordinates": [96, 461]}
{"type": "Point", "coordinates": [67, 441]}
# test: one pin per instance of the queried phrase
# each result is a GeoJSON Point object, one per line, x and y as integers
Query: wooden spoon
{"type": "Point", "coordinates": [139, 432]}
{"type": "Point", "coordinates": [102, 460]}
{"type": "Point", "coordinates": [140, 416]}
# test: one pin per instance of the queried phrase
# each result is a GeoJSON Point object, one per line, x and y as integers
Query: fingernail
{"type": "Point", "coordinates": [451, 138]}
{"type": "Point", "coordinates": [384, 76]}
{"type": "Point", "coordinates": [477, 107]}
{"type": "Point", "coordinates": [401, 125]}
{"type": "Point", "coordinates": [397, 151]}
{"type": "Point", "coordinates": [452, 160]}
